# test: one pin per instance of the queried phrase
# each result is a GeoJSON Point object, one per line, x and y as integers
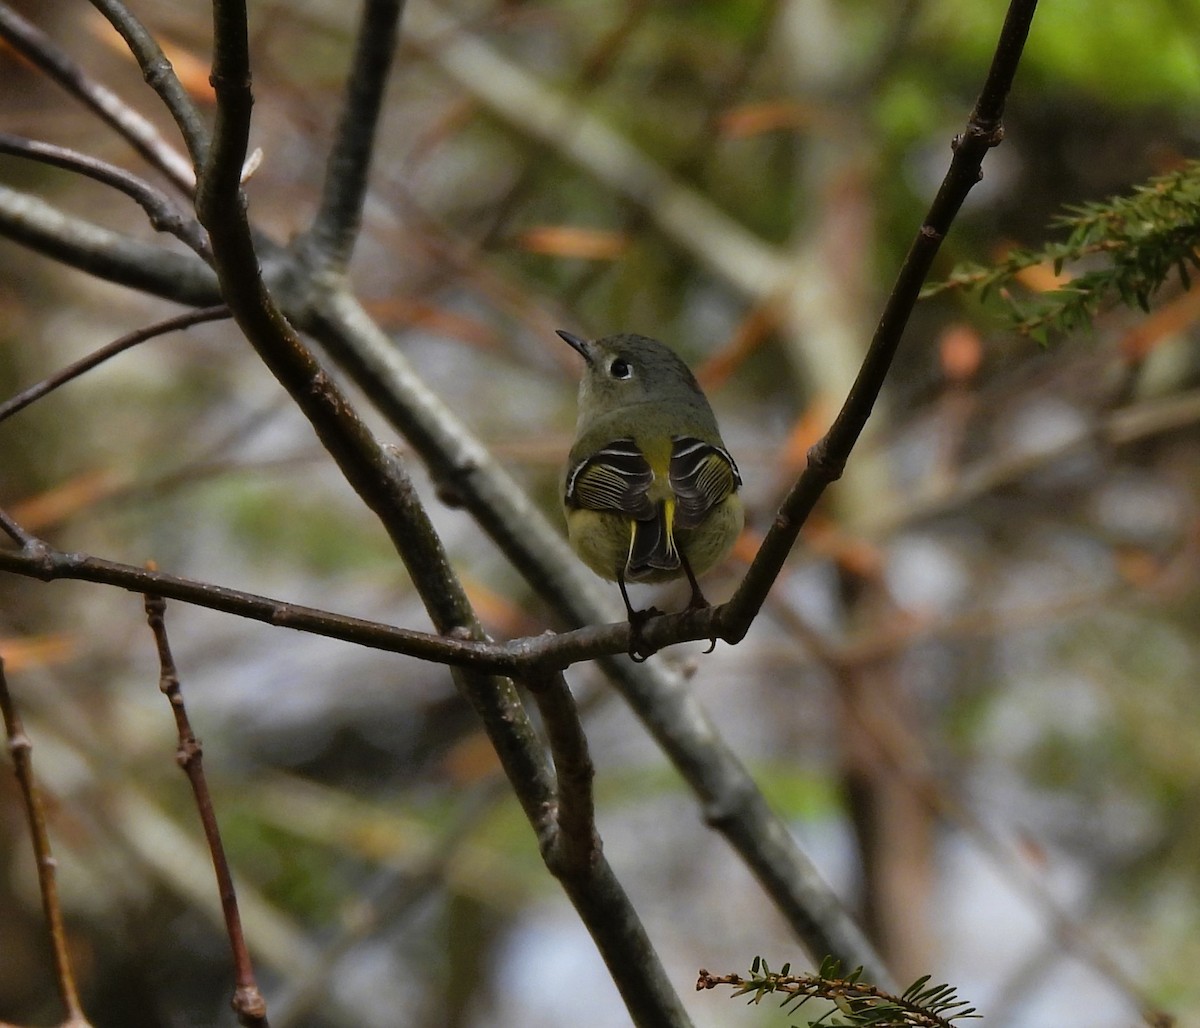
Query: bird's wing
{"type": "Point", "coordinates": [702, 475]}
{"type": "Point", "coordinates": [615, 478]}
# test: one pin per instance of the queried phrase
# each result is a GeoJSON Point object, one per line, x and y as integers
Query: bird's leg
{"type": "Point", "coordinates": [697, 602]}
{"type": "Point", "coordinates": [637, 618]}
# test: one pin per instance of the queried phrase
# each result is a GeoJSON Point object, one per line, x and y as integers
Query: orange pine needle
{"type": "Point", "coordinates": [403, 311]}
{"type": "Point", "coordinates": [590, 244]}
{"type": "Point", "coordinates": [55, 505]}
{"type": "Point", "coordinates": [770, 116]}
{"type": "Point", "coordinates": [758, 323]}
{"type": "Point", "coordinates": [37, 651]}
{"type": "Point", "coordinates": [807, 429]}
{"type": "Point", "coordinates": [961, 352]}
{"type": "Point", "coordinates": [191, 70]}
{"type": "Point", "coordinates": [1167, 321]}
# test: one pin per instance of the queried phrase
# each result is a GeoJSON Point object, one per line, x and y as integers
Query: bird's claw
{"type": "Point", "coordinates": [639, 653]}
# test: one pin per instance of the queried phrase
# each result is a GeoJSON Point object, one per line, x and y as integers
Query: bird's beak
{"type": "Point", "coordinates": [580, 346]}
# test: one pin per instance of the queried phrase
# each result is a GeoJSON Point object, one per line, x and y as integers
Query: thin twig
{"type": "Point", "coordinates": [248, 1001]}
{"type": "Point", "coordinates": [459, 646]}
{"type": "Point", "coordinates": [337, 222]}
{"type": "Point", "coordinates": [21, 748]}
{"type": "Point", "coordinates": [35, 392]}
{"type": "Point", "coordinates": [29, 544]}
{"type": "Point", "coordinates": [164, 215]}
{"type": "Point", "coordinates": [828, 457]}
{"type": "Point", "coordinates": [159, 75]}
{"type": "Point", "coordinates": [32, 43]}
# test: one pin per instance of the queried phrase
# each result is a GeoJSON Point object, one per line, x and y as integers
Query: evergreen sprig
{"type": "Point", "coordinates": [856, 1004]}
{"type": "Point", "coordinates": [1123, 249]}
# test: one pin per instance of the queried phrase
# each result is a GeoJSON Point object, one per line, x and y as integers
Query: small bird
{"type": "Point", "coordinates": [650, 492]}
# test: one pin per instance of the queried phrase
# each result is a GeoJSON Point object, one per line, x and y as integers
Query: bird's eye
{"type": "Point", "coordinates": [620, 368]}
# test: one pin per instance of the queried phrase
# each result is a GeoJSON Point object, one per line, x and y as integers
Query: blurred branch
{"type": "Point", "coordinates": [164, 215]}
{"type": "Point", "coordinates": [906, 760]}
{"type": "Point", "coordinates": [105, 254]}
{"type": "Point", "coordinates": [719, 241]}
{"type": "Point", "coordinates": [1119, 427]}
{"type": "Point", "coordinates": [33, 44]}
{"type": "Point", "coordinates": [331, 239]}
{"type": "Point", "coordinates": [394, 895]}
{"type": "Point", "coordinates": [248, 1001]}
{"type": "Point", "coordinates": [159, 75]}
{"type": "Point", "coordinates": [21, 748]}
{"type": "Point", "coordinates": [828, 457]}
{"type": "Point", "coordinates": [764, 273]}
{"type": "Point", "coordinates": [35, 392]}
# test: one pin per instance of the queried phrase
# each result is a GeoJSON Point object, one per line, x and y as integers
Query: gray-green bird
{"type": "Point", "coordinates": [650, 492]}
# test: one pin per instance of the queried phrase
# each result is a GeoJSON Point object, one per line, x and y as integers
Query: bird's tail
{"type": "Point", "coordinates": [652, 547]}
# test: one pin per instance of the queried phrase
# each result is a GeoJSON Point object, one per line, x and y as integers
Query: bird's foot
{"type": "Point", "coordinates": [639, 651]}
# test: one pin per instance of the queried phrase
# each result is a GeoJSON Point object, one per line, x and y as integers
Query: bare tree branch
{"type": "Point", "coordinates": [331, 239]}
{"type": "Point", "coordinates": [164, 215]}
{"type": "Point", "coordinates": [828, 457]}
{"type": "Point", "coordinates": [32, 43]}
{"type": "Point", "coordinates": [248, 1001]}
{"type": "Point", "coordinates": [159, 75]}
{"type": "Point", "coordinates": [35, 392]}
{"type": "Point", "coordinates": [31, 221]}
{"type": "Point", "coordinates": [21, 748]}
{"type": "Point", "coordinates": [572, 851]}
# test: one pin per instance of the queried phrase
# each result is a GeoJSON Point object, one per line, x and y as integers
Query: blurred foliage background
{"type": "Point", "coordinates": [974, 692]}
